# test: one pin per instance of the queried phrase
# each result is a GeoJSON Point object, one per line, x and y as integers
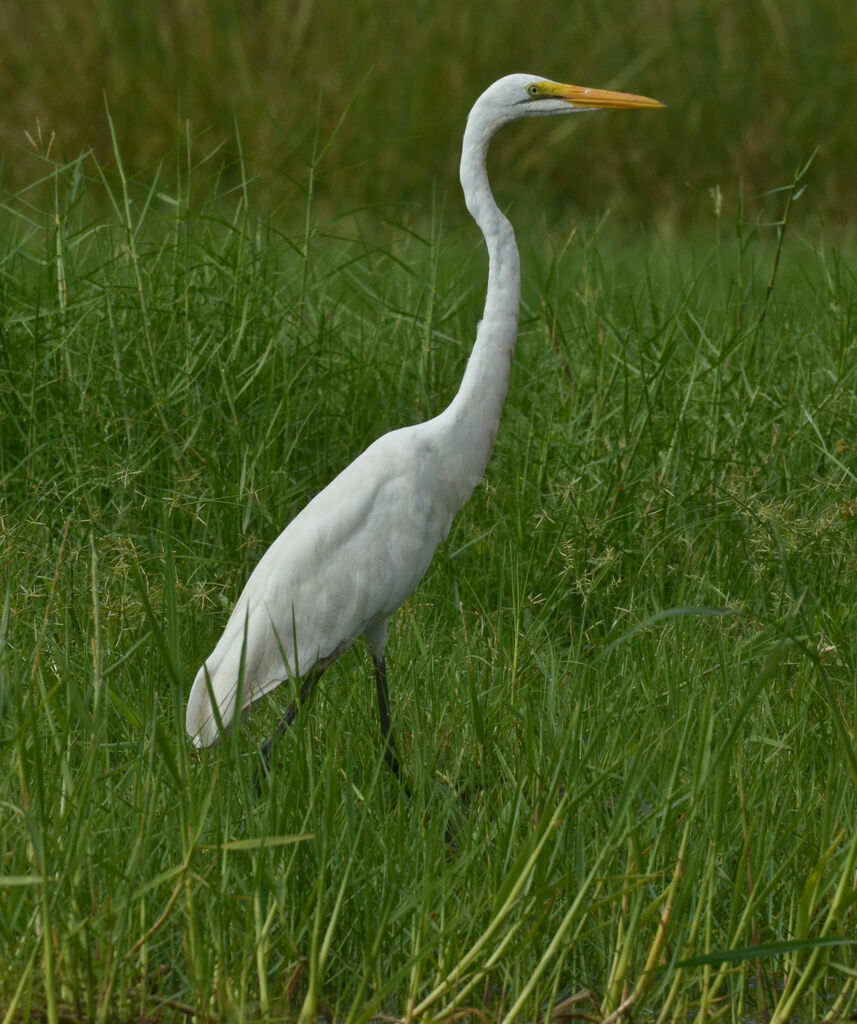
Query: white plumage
{"type": "Point", "coordinates": [339, 570]}
{"type": "Point", "coordinates": [356, 552]}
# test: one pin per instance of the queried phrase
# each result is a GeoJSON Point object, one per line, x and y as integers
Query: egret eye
{"type": "Point", "coordinates": [533, 90]}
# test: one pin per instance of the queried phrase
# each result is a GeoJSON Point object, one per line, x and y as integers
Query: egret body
{"type": "Point", "coordinates": [357, 551]}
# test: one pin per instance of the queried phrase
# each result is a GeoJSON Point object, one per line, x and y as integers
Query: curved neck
{"type": "Point", "coordinates": [473, 416]}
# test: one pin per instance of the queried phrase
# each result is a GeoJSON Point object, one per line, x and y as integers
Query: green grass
{"type": "Point", "coordinates": [753, 89]}
{"type": "Point", "coordinates": [624, 694]}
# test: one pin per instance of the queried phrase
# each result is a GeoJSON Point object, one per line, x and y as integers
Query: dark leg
{"type": "Point", "coordinates": [284, 723]}
{"type": "Point", "coordinates": [390, 757]}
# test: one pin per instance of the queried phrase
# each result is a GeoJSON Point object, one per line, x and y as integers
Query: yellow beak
{"type": "Point", "coordinates": [597, 98]}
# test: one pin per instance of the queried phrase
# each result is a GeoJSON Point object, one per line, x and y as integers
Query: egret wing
{"type": "Point", "coordinates": [343, 565]}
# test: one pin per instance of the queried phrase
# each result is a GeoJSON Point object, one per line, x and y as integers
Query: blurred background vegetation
{"type": "Point", "coordinates": [753, 86]}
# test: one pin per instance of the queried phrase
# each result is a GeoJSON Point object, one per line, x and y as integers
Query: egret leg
{"type": "Point", "coordinates": [265, 751]}
{"type": "Point", "coordinates": [390, 752]}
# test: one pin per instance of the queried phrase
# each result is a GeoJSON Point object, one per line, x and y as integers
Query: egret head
{"type": "Point", "coordinates": [519, 96]}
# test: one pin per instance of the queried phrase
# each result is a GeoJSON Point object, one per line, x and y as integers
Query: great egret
{"type": "Point", "coordinates": [356, 552]}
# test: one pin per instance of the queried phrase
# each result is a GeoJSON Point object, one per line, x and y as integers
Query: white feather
{"type": "Point", "coordinates": [356, 552]}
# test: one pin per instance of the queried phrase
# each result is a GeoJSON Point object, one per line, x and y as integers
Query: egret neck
{"type": "Point", "coordinates": [473, 416]}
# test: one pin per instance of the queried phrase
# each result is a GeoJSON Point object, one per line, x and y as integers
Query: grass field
{"type": "Point", "coordinates": [753, 88]}
{"type": "Point", "coordinates": [624, 694]}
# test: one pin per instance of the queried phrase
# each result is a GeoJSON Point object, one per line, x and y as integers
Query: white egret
{"type": "Point", "coordinates": [357, 551]}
